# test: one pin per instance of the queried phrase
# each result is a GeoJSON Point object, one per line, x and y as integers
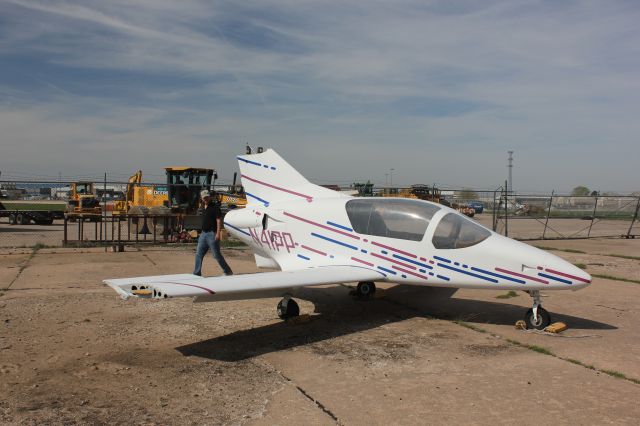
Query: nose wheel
{"type": "Point", "coordinates": [288, 308]}
{"type": "Point", "coordinates": [537, 317]}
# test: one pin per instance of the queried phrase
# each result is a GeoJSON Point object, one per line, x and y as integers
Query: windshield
{"type": "Point", "coordinates": [455, 231]}
{"type": "Point", "coordinates": [392, 218]}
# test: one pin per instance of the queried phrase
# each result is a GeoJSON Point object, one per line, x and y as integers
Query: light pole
{"type": "Point", "coordinates": [391, 177]}
{"type": "Point", "coordinates": [386, 179]}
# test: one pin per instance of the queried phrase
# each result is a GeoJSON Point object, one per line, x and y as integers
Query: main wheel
{"type": "Point", "coordinates": [292, 309]}
{"type": "Point", "coordinates": [544, 319]}
{"type": "Point", "coordinates": [23, 219]}
{"type": "Point", "coordinates": [13, 219]}
{"type": "Point", "coordinates": [365, 289]}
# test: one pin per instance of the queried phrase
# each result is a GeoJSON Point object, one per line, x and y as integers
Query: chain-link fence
{"type": "Point", "coordinates": [32, 215]}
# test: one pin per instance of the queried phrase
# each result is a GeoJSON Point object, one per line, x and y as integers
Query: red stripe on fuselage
{"type": "Point", "coordinates": [321, 225]}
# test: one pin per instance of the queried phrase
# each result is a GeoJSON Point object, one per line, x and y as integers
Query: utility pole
{"type": "Point", "coordinates": [510, 167]}
{"type": "Point", "coordinates": [391, 177]}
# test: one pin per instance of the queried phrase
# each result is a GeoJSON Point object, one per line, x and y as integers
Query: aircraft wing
{"type": "Point", "coordinates": [236, 287]}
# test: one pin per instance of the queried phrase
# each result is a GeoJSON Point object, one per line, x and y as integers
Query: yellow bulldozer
{"type": "Point", "coordinates": [83, 203]}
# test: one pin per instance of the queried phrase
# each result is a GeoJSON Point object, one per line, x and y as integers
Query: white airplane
{"type": "Point", "coordinates": [317, 236]}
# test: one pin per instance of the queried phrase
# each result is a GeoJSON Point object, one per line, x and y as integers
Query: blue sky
{"type": "Point", "coordinates": [437, 90]}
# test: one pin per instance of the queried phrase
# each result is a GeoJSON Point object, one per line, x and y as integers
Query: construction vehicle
{"type": "Point", "coordinates": [364, 189]}
{"type": "Point", "coordinates": [427, 193]}
{"type": "Point", "coordinates": [83, 203]}
{"type": "Point", "coordinates": [142, 199]}
{"type": "Point", "coordinates": [174, 208]}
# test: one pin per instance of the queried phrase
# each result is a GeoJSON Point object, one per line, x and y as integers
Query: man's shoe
{"type": "Point", "coordinates": [228, 274]}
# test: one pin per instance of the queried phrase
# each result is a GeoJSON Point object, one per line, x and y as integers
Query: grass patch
{"type": "Point", "coordinates": [535, 348]}
{"type": "Point", "coordinates": [614, 374]}
{"type": "Point", "coordinates": [581, 265]}
{"type": "Point", "coordinates": [508, 295]}
{"type": "Point", "coordinates": [470, 326]}
{"type": "Point", "coordinates": [612, 277]}
{"type": "Point", "coordinates": [623, 256]}
{"type": "Point", "coordinates": [39, 246]}
{"type": "Point", "coordinates": [561, 249]}
{"type": "Point", "coordinates": [580, 363]}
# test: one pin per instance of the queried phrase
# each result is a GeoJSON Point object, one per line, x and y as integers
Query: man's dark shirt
{"type": "Point", "coordinates": [211, 213]}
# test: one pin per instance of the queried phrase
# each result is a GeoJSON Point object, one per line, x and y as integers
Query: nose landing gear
{"type": "Point", "coordinates": [537, 317]}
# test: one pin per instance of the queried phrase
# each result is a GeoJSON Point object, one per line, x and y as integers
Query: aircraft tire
{"type": "Point", "coordinates": [365, 289]}
{"type": "Point", "coordinates": [292, 310]}
{"type": "Point", "coordinates": [544, 319]}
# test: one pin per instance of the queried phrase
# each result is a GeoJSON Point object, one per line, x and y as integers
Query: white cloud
{"type": "Point", "coordinates": [376, 81]}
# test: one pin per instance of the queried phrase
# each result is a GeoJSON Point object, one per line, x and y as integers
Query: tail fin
{"type": "Point", "coordinates": [267, 177]}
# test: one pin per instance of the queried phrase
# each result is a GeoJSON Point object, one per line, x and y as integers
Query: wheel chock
{"type": "Point", "coordinates": [521, 325]}
{"type": "Point", "coordinates": [556, 327]}
{"type": "Point", "coordinates": [300, 319]}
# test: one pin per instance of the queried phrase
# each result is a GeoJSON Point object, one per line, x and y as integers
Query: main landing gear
{"type": "Point", "coordinates": [537, 317]}
{"type": "Point", "coordinates": [288, 308]}
{"type": "Point", "coordinates": [365, 289]}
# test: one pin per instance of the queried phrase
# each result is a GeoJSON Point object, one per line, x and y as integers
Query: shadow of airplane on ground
{"type": "Point", "coordinates": [340, 316]}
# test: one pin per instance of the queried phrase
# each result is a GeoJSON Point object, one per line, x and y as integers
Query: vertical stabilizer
{"type": "Point", "coordinates": [267, 177]}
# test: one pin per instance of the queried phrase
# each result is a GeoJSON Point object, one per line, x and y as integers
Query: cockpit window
{"type": "Point", "coordinates": [392, 218]}
{"type": "Point", "coordinates": [455, 231]}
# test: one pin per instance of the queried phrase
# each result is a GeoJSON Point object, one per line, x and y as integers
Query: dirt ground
{"type": "Point", "coordinates": [73, 352]}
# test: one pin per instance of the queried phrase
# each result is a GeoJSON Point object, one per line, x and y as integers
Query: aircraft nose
{"type": "Point", "coordinates": [566, 272]}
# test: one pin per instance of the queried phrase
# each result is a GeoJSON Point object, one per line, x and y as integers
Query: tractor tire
{"type": "Point", "coordinates": [136, 213]}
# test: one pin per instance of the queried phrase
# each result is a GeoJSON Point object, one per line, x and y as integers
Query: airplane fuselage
{"type": "Point", "coordinates": [405, 247]}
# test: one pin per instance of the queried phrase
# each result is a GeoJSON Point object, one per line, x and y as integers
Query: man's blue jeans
{"type": "Point", "coordinates": [207, 241]}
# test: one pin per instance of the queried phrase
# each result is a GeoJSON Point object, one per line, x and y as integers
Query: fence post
{"type": "Point", "coordinates": [593, 216]}
{"type": "Point", "coordinates": [506, 209]}
{"type": "Point", "coordinates": [635, 216]}
{"type": "Point", "coordinates": [495, 211]}
{"type": "Point", "coordinates": [65, 241]}
{"type": "Point", "coordinates": [546, 222]}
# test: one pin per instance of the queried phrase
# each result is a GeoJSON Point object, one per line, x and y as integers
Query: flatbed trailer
{"type": "Point", "coordinates": [24, 212]}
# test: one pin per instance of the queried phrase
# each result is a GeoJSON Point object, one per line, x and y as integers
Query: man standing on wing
{"type": "Point", "coordinates": [210, 236]}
